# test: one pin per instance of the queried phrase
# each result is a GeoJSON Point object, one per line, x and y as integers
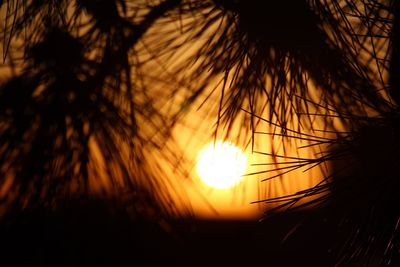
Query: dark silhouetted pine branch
{"type": "Point", "coordinates": [81, 113]}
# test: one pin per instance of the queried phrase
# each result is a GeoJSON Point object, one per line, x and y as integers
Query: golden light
{"type": "Point", "coordinates": [221, 165]}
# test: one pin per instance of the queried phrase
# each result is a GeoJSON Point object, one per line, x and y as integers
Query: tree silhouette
{"type": "Point", "coordinates": [78, 116]}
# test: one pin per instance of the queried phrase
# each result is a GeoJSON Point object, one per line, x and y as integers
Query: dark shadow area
{"type": "Point", "coordinates": [92, 236]}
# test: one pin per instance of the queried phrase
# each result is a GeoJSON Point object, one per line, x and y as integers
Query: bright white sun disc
{"type": "Point", "coordinates": [221, 165]}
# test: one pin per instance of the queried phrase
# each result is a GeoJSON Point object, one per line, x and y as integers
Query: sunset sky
{"type": "Point", "coordinates": [189, 125]}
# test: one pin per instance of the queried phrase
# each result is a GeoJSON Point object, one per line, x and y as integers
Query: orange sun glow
{"type": "Point", "coordinates": [221, 165]}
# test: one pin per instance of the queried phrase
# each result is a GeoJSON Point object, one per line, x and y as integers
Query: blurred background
{"type": "Point", "coordinates": [107, 107]}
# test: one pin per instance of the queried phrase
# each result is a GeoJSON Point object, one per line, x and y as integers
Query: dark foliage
{"type": "Point", "coordinates": [78, 117]}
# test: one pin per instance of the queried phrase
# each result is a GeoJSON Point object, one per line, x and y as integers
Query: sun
{"type": "Point", "coordinates": [221, 165]}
